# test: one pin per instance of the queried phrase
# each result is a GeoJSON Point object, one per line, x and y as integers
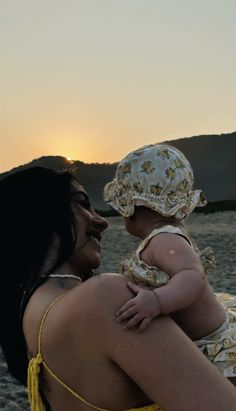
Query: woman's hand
{"type": "Point", "coordinates": [140, 309]}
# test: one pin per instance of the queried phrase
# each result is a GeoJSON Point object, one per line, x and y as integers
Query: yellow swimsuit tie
{"type": "Point", "coordinates": [35, 399]}
{"type": "Point", "coordinates": [34, 367]}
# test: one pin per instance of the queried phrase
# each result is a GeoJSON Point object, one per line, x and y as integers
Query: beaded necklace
{"type": "Point", "coordinates": [57, 275]}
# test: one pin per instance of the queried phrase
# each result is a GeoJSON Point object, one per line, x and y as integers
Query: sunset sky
{"type": "Point", "coordinates": [94, 79]}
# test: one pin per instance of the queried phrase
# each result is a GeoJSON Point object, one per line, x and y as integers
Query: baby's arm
{"type": "Point", "coordinates": [172, 254]}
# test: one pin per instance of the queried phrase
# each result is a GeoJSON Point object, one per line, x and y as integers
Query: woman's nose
{"type": "Point", "coordinates": [100, 223]}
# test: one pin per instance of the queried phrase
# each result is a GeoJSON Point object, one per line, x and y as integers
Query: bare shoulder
{"type": "Point", "coordinates": [103, 283]}
{"type": "Point", "coordinates": [162, 242]}
{"type": "Point", "coordinates": [166, 248]}
{"type": "Point", "coordinates": [99, 295]}
{"type": "Point", "coordinates": [94, 296]}
{"type": "Point", "coordinates": [88, 309]}
{"type": "Point", "coordinates": [167, 240]}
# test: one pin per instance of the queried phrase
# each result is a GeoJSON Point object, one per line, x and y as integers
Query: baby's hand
{"type": "Point", "coordinates": [140, 309]}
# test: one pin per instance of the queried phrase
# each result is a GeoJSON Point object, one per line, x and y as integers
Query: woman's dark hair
{"type": "Point", "coordinates": [35, 205]}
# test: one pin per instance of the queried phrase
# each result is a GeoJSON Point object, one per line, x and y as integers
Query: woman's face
{"type": "Point", "coordinates": [87, 251]}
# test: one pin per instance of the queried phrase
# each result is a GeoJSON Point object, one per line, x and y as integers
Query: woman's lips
{"type": "Point", "coordinates": [95, 240]}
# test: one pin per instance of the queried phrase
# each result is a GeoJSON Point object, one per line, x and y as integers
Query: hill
{"type": "Point", "coordinates": [92, 176]}
{"type": "Point", "coordinates": [211, 156]}
{"type": "Point", "coordinates": [214, 166]}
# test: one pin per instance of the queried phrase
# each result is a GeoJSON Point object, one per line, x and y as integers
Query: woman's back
{"type": "Point", "coordinates": [74, 351]}
{"type": "Point", "coordinates": [112, 368]}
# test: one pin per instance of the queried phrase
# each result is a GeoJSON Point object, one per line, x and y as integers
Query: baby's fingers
{"type": "Point", "coordinates": [144, 324]}
{"type": "Point", "coordinates": [126, 314]}
{"type": "Point", "coordinates": [132, 322]}
{"type": "Point", "coordinates": [125, 307]}
{"type": "Point", "coordinates": [133, 287]}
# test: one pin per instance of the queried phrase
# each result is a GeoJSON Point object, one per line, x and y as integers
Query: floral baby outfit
{"type": "Point", "coordinates": [157, 176]}
{"type": "Point", "coordinates": [152, 277]}
{"type": "Point", "coordinates": [219, 346]}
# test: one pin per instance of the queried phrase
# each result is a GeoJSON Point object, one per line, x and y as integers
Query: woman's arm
{"type": "Point", "coordinates": [162, 361]}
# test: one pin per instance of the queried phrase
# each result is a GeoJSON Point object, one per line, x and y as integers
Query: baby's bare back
{"type": "Point", "coordinates": [203, 316]}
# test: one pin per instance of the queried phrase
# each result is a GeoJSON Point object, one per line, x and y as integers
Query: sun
{"type": "Point", "coordinates": [69, 159]}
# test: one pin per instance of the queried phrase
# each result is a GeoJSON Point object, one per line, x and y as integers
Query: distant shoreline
{"type": "Point", "coordinates": [211, 207]}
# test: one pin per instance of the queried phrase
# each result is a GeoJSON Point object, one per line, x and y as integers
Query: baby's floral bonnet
{"type": "Point", "coordinates": [157, 176]}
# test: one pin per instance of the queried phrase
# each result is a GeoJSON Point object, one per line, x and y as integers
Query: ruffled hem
{"type": "Point", "coordinates": [220, 346]}
{"type": "Point", "coordinates": [168, 205]}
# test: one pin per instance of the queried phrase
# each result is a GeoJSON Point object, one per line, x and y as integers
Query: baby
{"type": "Point", "coordinates": [153, 191]}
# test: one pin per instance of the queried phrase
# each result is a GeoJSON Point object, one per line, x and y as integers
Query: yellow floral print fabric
{"type": "Point", "coordinates": [157, 176]}
{"type": "Point", "coordinates": [141, 273]}
{"type": "Point", "coordinates": [220, 346]}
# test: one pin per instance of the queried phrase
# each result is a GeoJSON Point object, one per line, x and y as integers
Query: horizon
{"type": "Point", "coordinates": [95, 81]}
{"type": "Point", "coordinates": [71, 161]}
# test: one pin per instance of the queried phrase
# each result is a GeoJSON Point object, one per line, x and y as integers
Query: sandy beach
{"type": "Point", "coordinates": [217, 230]}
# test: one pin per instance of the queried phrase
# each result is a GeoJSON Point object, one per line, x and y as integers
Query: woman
{"type": "Point", "coordinates": [81, 358]}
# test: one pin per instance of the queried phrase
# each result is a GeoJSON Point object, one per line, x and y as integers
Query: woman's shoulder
{"type": "Point", "coordinates": [105, 289]}
{"type": "Point", "coordinates": [84, 310]}
{"type": "Point", "coordinates": [85, 300]}
{"type": "Point", "coordinates": [102, 291]}
{"type": "Point", "coordinates": [90, 309]}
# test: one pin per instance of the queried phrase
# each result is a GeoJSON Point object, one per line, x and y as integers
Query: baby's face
{"type": "Point", "coordinates": [130, 225]}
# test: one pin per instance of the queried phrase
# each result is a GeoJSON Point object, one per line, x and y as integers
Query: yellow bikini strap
{"type": "Point", "coordinates": [74, 393]}
{"type": "Point", "coordinates": [43, 321]}
{"type": "Point", "coordinates": [34, 370]}
{"type": "Point", "coordinates": [35, 399]}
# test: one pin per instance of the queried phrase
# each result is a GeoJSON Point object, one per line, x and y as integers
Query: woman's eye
{"type": "Point", "coordinates": [82, 199]}
{"type": "Point", "coordinates": [84, 203]}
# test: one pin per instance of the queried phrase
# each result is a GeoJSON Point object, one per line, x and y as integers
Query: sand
{"type": "Point", "coordinates": [217, 230]}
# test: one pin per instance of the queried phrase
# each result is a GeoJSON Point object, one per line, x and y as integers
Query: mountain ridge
{"type": "Point", "coordinates": [211, 157]}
